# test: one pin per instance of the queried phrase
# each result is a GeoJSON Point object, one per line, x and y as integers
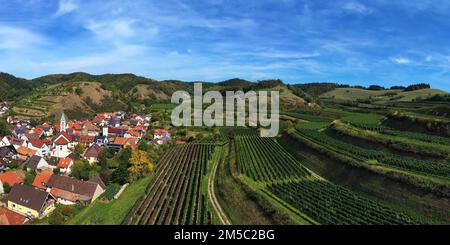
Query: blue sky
{"type": "Point", "coordinates": [349, 41]}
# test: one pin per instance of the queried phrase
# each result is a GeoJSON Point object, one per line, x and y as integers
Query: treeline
{"type": "Point", "coordinates": [417, 86]}
{"type": "Point", "coordinates": [12, 86]}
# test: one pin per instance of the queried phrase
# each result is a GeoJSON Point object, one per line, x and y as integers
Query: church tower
{"type": "Point", "coordinates": [62, 123]}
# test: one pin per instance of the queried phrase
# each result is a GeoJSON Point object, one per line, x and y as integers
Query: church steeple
{"type": "Point", "coordinates": [62, 123]}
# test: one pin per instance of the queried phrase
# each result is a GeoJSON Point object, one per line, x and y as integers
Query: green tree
{"type": "Point", "coordinates": [143, 146]}
{"type": "Point", "coordinates": [13, 164]}
{"type": "Point", "coordinates": [6, 187]}
{"type": "Point", "coordinates": [56, 171]}
{"type": "Point", "coordinates": [83, 170]}
{"type": "Point", "coordinates": [79, 149]}
{"type": "Point", "coordinates": [29, 177]}
{"type": "Point", "coordinates": [120, 175]}
{"type": "Point", "coordinates": [4, 131]}
{"type": "Point", "coordinates": [78, 91]}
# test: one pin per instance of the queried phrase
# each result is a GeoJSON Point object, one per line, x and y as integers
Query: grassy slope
{"type": "Point", "coordinates": [353, 94]}
{"type": "Point", "coordinates": [115, 211]}
{"type": "Point", "coordinates": [406, 144]}
{"type": "Point", "coordinates": [227, 186]}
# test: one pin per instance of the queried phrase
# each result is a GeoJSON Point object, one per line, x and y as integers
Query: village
{"type": "Point", "coordinates": [42, 166]}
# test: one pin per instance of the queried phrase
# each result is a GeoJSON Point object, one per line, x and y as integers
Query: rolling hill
{"type": "Point", "coordinates": [354, 94]}
{"type": "Point", "coordinates": [81, 94]}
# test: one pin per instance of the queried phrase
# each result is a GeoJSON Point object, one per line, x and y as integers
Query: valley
{"type": "Point", "coordinates": [344, 155]}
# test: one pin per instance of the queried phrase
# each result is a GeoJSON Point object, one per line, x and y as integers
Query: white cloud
{"type": "Point", "coordinates": [357, 7]}
{"type": "Point", "coordinates": [111, 29]}
{"type": "Point", "coordinates": [65, 7]}
{"type": "Point", "coordinates": [13, 38]}
{"type": "Point", "coordinates": [282, 54]}
{"type": "Point", "coordinates": [116, 30]}
{"type": "Point", "coordinates": [401, 61]}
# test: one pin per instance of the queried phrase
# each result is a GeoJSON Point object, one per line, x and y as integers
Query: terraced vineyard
{"type": "Point", "coordinates": [287, 184]}
{"type": "Point", "coordinates": [331, 204]}
{"type": "Point", "coordinates": [178, 192]}
{"type": "Point", "coordinates": [427, 167]}
{"type": "Point", "coordinates": [263, 159]}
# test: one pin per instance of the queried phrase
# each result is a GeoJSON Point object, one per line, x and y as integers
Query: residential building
{"type": "Point", "coordinates": [30, 201]}
{"type": "Point", "coordinates": [69, 191]}
{"type": "Point", "coordinates": [8, 217]}
{"type": "Point", "coordinates": [92, 153]}
{"type": "Point", "coordinates": [41, 179]}
{"type": "Point", "coordinates": [12, 178]}
{"type": "Point", "coordinates": [37, 163]}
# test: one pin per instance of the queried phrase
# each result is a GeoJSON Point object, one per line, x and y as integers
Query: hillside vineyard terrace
{"type": "Point", "coordinates": [213, 115]}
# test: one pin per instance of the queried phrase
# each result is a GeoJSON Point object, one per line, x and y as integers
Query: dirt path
{"type": "Point", "coordinates": [212, 196]}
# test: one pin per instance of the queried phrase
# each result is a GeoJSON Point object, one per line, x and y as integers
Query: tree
{"type": "Point", "coordinates": [140, 164]}
{"type": "Point", "coordinates": [79, 149]}
{"type": "Point", "coordinates": [120, 175]}
{"type": "Point", "coordinates": [29, 177]}
{"type": "Point", "coordinates": [56, 171]}
{"type": "Point", "coordinates": [13, 164]}
{"type": "Point", "coordinates": [104, 156]}
{"type": "Point", "coordinates": [3, 129]}
{"type": "Point", "coordinates": [6, 187]}
{"type": "Point", "coordinates": [78, 91]}
{"type": "Point", "coordinates": [418, 86]}
{"type": "Point", "coordinates": [83, 170]}
{"type": "Point", "coordinates": [143, 146]}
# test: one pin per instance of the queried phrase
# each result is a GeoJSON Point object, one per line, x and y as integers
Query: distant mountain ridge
{"type": "Point", "coordinates": [82, 94]}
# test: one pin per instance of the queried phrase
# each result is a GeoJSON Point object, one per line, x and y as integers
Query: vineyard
{"type": "Point", "coordinates": [178, 192]}
{"type": "Point", "coordinates": [288, 184]}
{"type": "Point", "coordinates": [331, 204]}
{"type": "Point", "coordinates": [263, 159]}
{"type": "Point", "coordinates": [427, 167]}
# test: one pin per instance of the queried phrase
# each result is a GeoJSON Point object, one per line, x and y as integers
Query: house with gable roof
{"type": "Point", "coordinates": [69, 191]}
{"type": "Point", "coordinates": [62, 145]}
{"type": "Point", "coordinates": [30, 201]}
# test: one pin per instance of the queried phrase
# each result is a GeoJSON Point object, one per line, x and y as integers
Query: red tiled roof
{"type": "Point", "coordinates": [38, 131]}
{"type": "Point", "coordinates": [66, 195]}
{"type": "Point", "coordinates": [120, 141]}
{"type": "Point", "coordinates": [11, 178]}
{"type": "Point", "coordinates": [64, 162]}
{"type": "Point", "coordinates": [41, 179]}
{"type": "Point", "coordinates": [8, 217]}
{"type": "Point", "coordinates": [22, 150]}
{"type": "Point", "coordinates": [161, 131]}
{"type": "Point", "coordinates": [63, 139]}
{"type": "Point", "coordinates": [114, 130]}
{"type": "Point", "coordinates": [133, 133]}
{"type": "Point", "coordinates": [85, 139]}
{"type": "Point", "coordinates": [38, 143]}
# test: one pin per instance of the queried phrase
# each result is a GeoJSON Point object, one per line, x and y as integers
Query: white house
{"type": "Point", "coordinates": [65, 165]}
{"type": "Point", "coordinates": [41, 147]}
{"type": "Point", "coordinates": [161, 135]}
{"type": "Point", "coordinates": [5, 141]}
{"type": "Point", "coordinates": [38, 163]}
{"type": "Point", "coordinates": [62, 145]}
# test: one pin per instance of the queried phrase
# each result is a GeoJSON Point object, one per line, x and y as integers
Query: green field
{"type": "Point", "coordinates": [112, 212]}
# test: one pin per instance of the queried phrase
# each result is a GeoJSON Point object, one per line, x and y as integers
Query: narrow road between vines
{"type": "Point", "coordinates": [215, 203]}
